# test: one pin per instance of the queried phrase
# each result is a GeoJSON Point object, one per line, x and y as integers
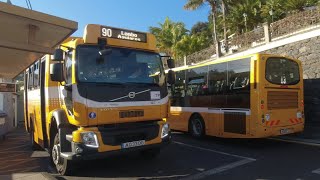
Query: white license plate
{"type": "Point", "coordinates": [285, 131]}
{"type": "Point", "coordinates": [132, 144]}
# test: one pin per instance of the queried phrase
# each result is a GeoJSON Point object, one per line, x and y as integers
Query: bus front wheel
{"type": "Point", "coordinates": [63, 166]}
{"type": "Point", "coordinates": [196, 126]}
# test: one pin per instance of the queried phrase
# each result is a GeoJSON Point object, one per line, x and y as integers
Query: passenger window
{"type": "Point", "coordinates": [217, 78]}
{"type": "Point", "coordinates": [36, 75]}
{"type": "Point", "coordinates": [239, 75]}
{"type": "Point", "coordinates": [30, 83]}
{"type": "Point", "coordinates": [197, 84]}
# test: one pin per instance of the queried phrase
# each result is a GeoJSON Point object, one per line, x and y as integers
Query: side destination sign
{"type": "Point", "coordinates": [123, 34]}
{"type": "Point", "coordinates": [7, 87]}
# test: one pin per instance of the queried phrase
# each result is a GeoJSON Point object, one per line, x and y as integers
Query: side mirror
{"type": "Point", "coordinates": [171, 77]}
{"type": "Point", "coordinates": [170, 63]}
{"type": "Point", "coordinates": [57, 72]}
{"type": "Point", "coordinates": [58, 55]}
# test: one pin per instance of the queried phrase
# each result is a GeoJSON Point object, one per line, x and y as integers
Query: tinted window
{"type": "Point", "coordinates": [238, 89]}
{"type": "Point", "coordinates": [36, 75]}
{"type": "Point", "coordinates": [179, 86]}
{"type": "Point", "coordinates": [30, 83]}
{"type": "Point", "coordinates": [217, 78]}
{"type": "Point", "coordinates": [178, 91]}
{"type": "Point", "coordinates": [197, 81]}
{"type": "Point", "coordinates": [282, 71]}
{"type": "Point", "coordinates": [69, 67]}
{"type": "Point", "coordinates": [238, 75]}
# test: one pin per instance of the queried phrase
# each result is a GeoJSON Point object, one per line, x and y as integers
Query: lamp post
{"type": "Point", "coordinates": [245, 20]}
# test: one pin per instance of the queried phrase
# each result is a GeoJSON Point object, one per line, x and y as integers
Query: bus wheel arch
{"type": "Point", "coordinates": [62, 165]}
{"type": "Point", "coordinates": [196, 125]}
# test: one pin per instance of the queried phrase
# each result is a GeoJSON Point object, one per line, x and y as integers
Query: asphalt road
{"type": "Point", "coordinates": [185, 158]}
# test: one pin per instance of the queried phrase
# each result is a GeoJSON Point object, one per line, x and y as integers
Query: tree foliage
{"type": "Point", "coordinates": [225, 18]}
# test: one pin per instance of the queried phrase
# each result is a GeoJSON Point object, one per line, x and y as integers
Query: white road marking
{"type": "Point", "coordinates": [317, 171]}
{"type": "Point", "coordinates": [296, 142]}
{"type": "Point", "coordinates": [218, 152]}
{"type": "Point", "coordinates": [219, 169]}
{"type": "Point", "coordinates": [210, 172]}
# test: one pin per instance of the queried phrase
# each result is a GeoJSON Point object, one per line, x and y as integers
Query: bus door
{"type": "Point", "coordinates": [43, 101]}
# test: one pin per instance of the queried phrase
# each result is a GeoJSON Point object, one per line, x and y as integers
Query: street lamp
{"type": "Point", "coordinates": [245, 20]}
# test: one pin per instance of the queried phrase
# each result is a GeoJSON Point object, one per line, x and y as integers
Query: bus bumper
{"type": "Point", "coordinates": [92, 153]}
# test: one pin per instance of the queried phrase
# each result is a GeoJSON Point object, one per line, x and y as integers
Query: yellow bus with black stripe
{"type": "Point", "coordinates": [253, 96]}
{"type": "Point", "coordinates": [98, 95]}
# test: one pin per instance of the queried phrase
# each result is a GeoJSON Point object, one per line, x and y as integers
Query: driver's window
{"type": "Point", "coordinates": [68, 64]}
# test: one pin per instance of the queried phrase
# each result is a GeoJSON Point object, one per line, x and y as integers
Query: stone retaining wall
{"type": "Point", "coordinates": [308, 52]}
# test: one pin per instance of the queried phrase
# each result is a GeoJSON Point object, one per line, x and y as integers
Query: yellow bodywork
{"type": "Point", "coordinates": [80, 118]}
{"type": "Point", "coordinates": [255, 127]}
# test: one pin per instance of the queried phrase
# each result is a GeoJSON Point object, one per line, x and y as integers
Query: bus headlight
{"type": "Point", "coordinates": [165, 131]}
{"type": "Point", "coordinates": [90, 139]}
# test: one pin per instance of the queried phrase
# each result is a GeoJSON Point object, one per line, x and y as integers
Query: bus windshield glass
{"type": "Point", "coordinates": [282, 71]}
{"type": "Point", "coordinates": [121, 65]}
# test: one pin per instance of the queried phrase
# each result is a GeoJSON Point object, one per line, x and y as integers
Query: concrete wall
{"type": "Point", "coordinates": [7, 105]}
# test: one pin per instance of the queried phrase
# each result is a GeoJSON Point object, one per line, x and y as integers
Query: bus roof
{"type": "Point", "coordinates": [119, 37]}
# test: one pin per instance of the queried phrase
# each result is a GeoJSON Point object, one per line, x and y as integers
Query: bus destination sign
{"type": "Point", "coordinates": [7, 87]}
{"type": "Point", "coordinates": [123, 34]}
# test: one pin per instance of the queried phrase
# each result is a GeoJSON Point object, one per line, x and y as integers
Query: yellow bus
{"type": "Point", "coordinates": [98, 95]}
{"type": "Point", "coordinates": [254, 96]}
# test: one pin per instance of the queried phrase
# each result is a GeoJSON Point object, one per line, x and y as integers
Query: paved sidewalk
{"type": "Point", "coordinates": [28, 176]}
{"type": "Point", "coordinates": [18, 161]}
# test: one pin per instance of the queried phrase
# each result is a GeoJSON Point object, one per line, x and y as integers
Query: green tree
{"type": "Point", "coordinates": [199, 27]}
{"type": "Point", "coordinates": [190, 44]}
{"type": "Point", "coordinates": [244, 15]}
{"type": "Point", "coordinates": [295, 5]}
{"type": "Point", "coordinates": [168, 34]}
{"type": "Point", "coordinates": [195, 4]}
{"type": "Point", "coordinates": [273, 10]}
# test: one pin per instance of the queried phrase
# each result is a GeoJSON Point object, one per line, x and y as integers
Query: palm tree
{"type": "Point", "coordinates": [168, 35]}
{"type": "Point", "coordinates": [273, 10]}
{"type": "Point", "coordinates": [195, 4]}
{"type": "Point", "coordinates": [244, 15]}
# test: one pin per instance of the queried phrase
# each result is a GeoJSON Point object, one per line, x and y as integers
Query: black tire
{"type": "Point", "coordinates": [197, 126]}
{"type": "Point", "coordinates": [63, 166]}
{"type": "Point", "coordinates": [150, 153]}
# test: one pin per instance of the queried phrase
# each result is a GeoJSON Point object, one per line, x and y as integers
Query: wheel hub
{"type": "Point", "coordinates": [56, 154]}
{"type": "Point", "coordinates": [197, 127]}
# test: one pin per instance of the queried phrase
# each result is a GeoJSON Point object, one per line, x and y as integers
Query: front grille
{"type": "Point", "coordinates": [132, 113]}
{"type": "Point", "coordinates": [116, 134]}
{"type": "Point", "coordinates": [282, 100]}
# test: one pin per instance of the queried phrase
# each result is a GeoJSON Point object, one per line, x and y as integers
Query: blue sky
{"type": "Point", "coordinates": [130, 14]}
